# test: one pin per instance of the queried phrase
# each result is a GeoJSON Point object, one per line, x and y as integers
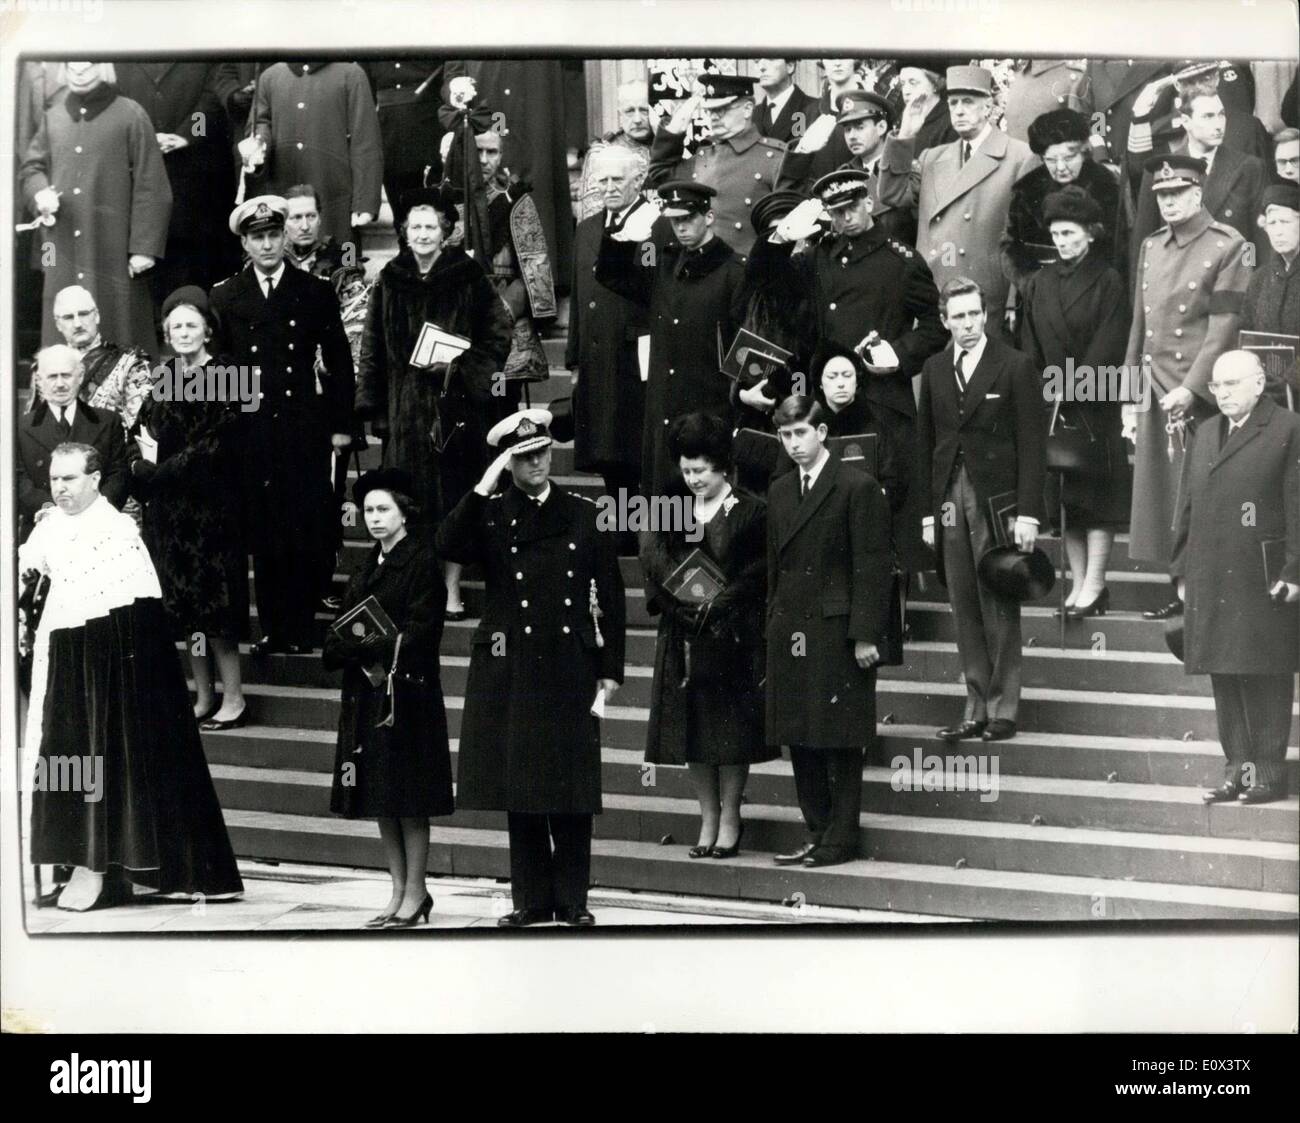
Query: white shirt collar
{"type": "Point", "coordinates": [274, 277]}
{"type": "Point", "coordinates": [816, 469]}
{"type": "Point", "coordinates": [541, 497]}
{"type": "Point", "coordinates": [1233, 426]}
{"type": "Point", "coordinates": [973, 356]}
{"type": "Point", "coordinates": [778, 102]}
{"type": "Point", "coordinates": [70, 408]}
{"type": "Point", "coordinates": [980, 138]}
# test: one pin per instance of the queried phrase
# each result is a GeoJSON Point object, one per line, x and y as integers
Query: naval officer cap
{"type": "Point", "coordinates": [720, 90]}
{"type": "Point", "coordinates": [1174, 171]}
{"type": "Point", "coordinates": [265, 212]}
{"type": "Point", "coordinates": [683, 197]}
{"type": "Point", "coordinates": [522, 432]}
{"type": "Point", "coordinates": [841, 187]}
{"type": "Point", "coordinates": [859, 105]}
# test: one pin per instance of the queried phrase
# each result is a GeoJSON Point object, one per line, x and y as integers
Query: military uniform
{"type": "Point", "coordinates": [742, 169]}
{"type": "Point", "coordinates": [529, 743]}
{"type": "Point", "coordinates": [1191, 281]}
{"type": "Point", "coordinates": [285, 442]}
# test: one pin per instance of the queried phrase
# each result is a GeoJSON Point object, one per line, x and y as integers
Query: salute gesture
{"type": "Point", "coordinates": [638, 224]}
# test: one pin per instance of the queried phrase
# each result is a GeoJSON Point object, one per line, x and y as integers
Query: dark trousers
{"type": "Point", "coordinates": [542, 878]}
{"type": "Point", "coordinates": [1254, 715]}
{"type": "Point", "coordinates": [828, 784]}
{"type": "Point", "coordinates": [988, 626]}
{"type": "Point", "coordinates": [287, 594]}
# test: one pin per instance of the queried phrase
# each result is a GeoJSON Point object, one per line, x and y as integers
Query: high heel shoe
{"type": "Point", "coordinates": [380, 920]}
{"type": "Point", "coordinates": [729, 851]}
{"type": "Point", "coordinates": [422, 913]}
{"type": "Point", "coordinates": [1098, 607]}
{"type": "Point", "coordinates": [212, 725]}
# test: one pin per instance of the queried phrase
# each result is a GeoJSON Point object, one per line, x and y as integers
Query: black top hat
{"type": "Point", "coordinates": [382, 479]}
{"type": "Point", "coordinates": [1071, 204]}
{"type": "Point", "coordinates": [1057, 126]}
{"type": "Point", "coordinates": [772, 208]}
{"type": "Point", "coordinates": [1011, 573]}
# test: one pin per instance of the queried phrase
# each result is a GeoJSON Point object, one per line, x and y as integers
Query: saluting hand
{"type": "Point", "coordinates": [682, 115]}
{"type": "Point", "coordinates": [488, 483]}
{"type": "Point", "coordinates": [817, 134]}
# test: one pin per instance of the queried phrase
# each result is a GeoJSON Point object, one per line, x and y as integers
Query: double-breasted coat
{"type": "Point", "coordinates": [529, 741]}
{"type": "Point", "coordinates": [403, 769]}
{"type": "Point", "coordinates": [707, 706]}
{"type": "Point", "coordinates": [404, 403]}
{"type": "Point", "coordinates": [609, 400]}
{"type": "Point", "coordinates": [319, 124]}
{"type": "Point", "coordinates": [694, 298]}
{"type": "Point", "coordinates": [829, 580]}
{"type": "Point", "coordinates": [1190, 283]}
{"type": "Point", "coordinates": [962, 209]}
{"type": "Point", "coordinates": [1076, 316]}
{"type": "Point", "coordinates": [742, 169]}
{"type": "Point", "coordinates": [285, 442]}
{"type": "Point", "coordinates": [1230, 625]}
{"type": "Point", "coordinates": [101, 153]}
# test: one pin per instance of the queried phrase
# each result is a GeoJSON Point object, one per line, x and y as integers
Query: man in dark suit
{"type": "Point", "coordinates": [980, 431]}
{"type": "Point", "coordinates": [61, 417]}
{"type": "Point", "coordinates": [1240, 577]}
{"type": "Point", "coordinates": [785, 111]}
{"type": "Point", "coordinates": [829, 578]}
{"type": "Point", "coordinates": [272, 317]}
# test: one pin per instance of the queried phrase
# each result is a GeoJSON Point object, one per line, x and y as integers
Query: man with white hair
{"type": "Point", "coordinates": [116, 378]}
{"type": "Point", "coordinates": [58, 417]}
{"type": "Point", "coordinates": [1239, 577]}
{"type": "Point", "coordinates": [633, 138]}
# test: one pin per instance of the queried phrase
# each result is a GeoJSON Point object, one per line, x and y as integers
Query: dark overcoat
{"type": "Point", "coordinates": [1027, 244]}
{"type": "Point", "coordinates": [115, 201]}
{"type": "Point", "coordinates": [403, 769]}
{"type": "Point", "coordinates": [609, 400]}
{"type": "Point", "coordinates": [1235, 497]}
{"type": "Point", "coordinates": [1080, 313]}
{"type": "Point", "coordinates": [404, 403]}
{"type": "Point", "coordinates": [529, 741]}
{"type": "Point", "coordinates": [694, 298]}
{"type": "Point", "coordinates": [829, 580]}
{"type": "Point", "coordinates": [285, 442]}
{"type": "Point", "coordinates": [714, 714]}
{"type": "Point", "coordinates": [38, 436]}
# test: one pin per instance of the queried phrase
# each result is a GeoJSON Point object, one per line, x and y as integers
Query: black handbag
{"type": "Point", "coordinates": [1072, 449]}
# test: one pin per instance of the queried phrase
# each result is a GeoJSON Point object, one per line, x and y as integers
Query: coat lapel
{"type": "Point", "coordinates": [534, 523]}
{"type": "Point", "coordinates": [1218, 184]}
{"type": "Point", "coordinates": [979, 383]}
{"type": "Point", "coordinates": [1259, 418]}
{"type": "Point", "coordinates": [44, 432]}
{"type": "Point", "coordinates": [984, 161]}
{"type": "Point", "coordinates": [821, 489]}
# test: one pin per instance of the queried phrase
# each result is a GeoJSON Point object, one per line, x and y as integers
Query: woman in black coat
{"type": "Point", "coordinates": [185, 474]}
{"type": "Point", "coordinates": [393, 761]}
{"type": "Point", "coordinates": [1060, 138]}
{"type": "Point", "coordinates": [1077, 319]}
{"type": "Point", "coordinates": [434, 421]}
{"type": "Point", "coordinates": [706, 708]}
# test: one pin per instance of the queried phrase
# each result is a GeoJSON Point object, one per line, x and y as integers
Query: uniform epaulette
{"type": "Point", "coordinates": [584, 498]}
{"type": "Point", "coordinates": [495, 495]}
{"type": "Point", "coordinates": [902, 247]}
{"type": "Point", "coordinates": [772, 142]}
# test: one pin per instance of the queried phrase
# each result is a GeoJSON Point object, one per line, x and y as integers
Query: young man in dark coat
{"type": "Point", "coordinates": [1240, 577]}
{"type": "Point", "coordinates": [604, 334]}
{"type": "Point", "coordinates": [547, 656]}
{"type": "Point", "coordinates": [273, 317]}
{"type": "Point", "coordinates": [786, 111]}
{"type": "Point", "coordinates": [694, 290]}
{"type": "Point", "coordinates": [829, 577]}
{"type": "Point", "coordinates": [980, 428]}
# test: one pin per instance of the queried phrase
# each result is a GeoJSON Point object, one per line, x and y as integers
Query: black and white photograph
{"type": "Point", "coordinates": [707, 542]}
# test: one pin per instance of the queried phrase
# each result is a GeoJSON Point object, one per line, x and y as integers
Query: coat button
{"type": "Point", "coordinates": [1191, 284]}
{"type": "Point", "coordinates": [961, 251]}
{"type": "Point", "coordinates": [569, 573]}
{"type": "Point", "coordinates": [76, 190]}
{"type": "Point", "coordinates": [1207, 264]}
{"type": "Point", "coordinates": [1178, 354]}
{"type": "Point", "coordinates": [591, 304]}
{"type": "Point", "coordinates": [747, 202]}
{"type": "Point", "coordinates": [290, 346]}
{"type": "Point", "coordinates": [288, 370]}
{"type": "Point", "coordinates": [253, 347]}
{"type": "Point", "coordinates": [1182, 308]}
{"type": "Point", "coordinates": [288, 393]}
{"type": "Point", "coordinates": [1178, 331]}
{"type": "Point", "coordinates": [293, 323]}
{"type": "Point", "coordinates": [966, 216]}
{"type": "Point", "coordinates": [1150, 333]}
{"type": "Point", "coordinates": [523, 604]}
{"type": "Point", "coordinates": [528, 629]}
{"type": "Point", "coordinates": [1147, 358]}
{"type": "Point", "coordinates": [1227, 212]}
{"type": "Point", "coordinates": [514, 549]}
{"type": "Point", "coordinates": [573, 545]}
{"type": "Point", "coordinates": [567, 601]}
{"type": "Point", "coordinates": [1144, 284]}
{"type": "Point", "coordinates": [1146, 308]}
{"type": "Point", "coordinates": [676, 321]}
{"type": "Point", "coordinates": [741, 225]}
{"type": "Point", "coordinates": [844, 261]}
{"type": "Point", "coordinates": [832, 306]}
{"type": "Point", "coordinates": [76, 233]}
{"type": "Point", "coordinates": [519, 576]}
{"type": "Point", "coordinates": [77, 149]}
{"type": "Point", "coordinates": [302, 105]}
{"type": "Point", "coordinates": [671, 370]}
{"type": "Point", "coordinates": [565, 629]}
{"type": "Point", "coordinates": [300, 144]}
{"type": "Point", "coordinates": [757, 175]}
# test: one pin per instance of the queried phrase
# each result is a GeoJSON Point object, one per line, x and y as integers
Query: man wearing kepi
{"type": "Point", "coordinates": [547, 656]}
{"type": "Point", "coordinates": [1237, 564]}
{"type": "Point", "coordinates": [1191, 280]}
{"type": "Point", "coordinates": [272, 318]}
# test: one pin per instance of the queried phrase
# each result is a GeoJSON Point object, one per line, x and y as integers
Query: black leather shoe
{"type": "Point", "coordinates": [266, 646]}
{"type": "Point", "coordinates": [1098, 607]}
{"type": "Point", "coordinates": [795, 858]}
{"type": "Point", "coordinates": [1261, 793]}
{"type": "Point", "coordinates": [1000, 729]}
{"type": "Point", "coordinates": [576, 918]}
{"type": "Point", "coordinates": [213, 725]}
{"type": "Point", "coordinates": [729, 851]}
{"type": "Point", "coordinates": [1172, 609]}
{"type": "Point", "coordinates": [522, 918]}
{"type": "Point", "coordinates": [699, 851]}
{"type": "Point", "coordinates": [963, 730]}
{"type": "Point", "coordinates": [1223, 793]}
{"type": "Point", "coordinates": [827, 856]}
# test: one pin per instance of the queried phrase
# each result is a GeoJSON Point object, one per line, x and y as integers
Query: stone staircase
{"type": "Point", "coordinates": [1098, 812]}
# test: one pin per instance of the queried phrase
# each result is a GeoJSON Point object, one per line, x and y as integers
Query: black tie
{"type": "Point", "coordinates": [270, 287]}
{"type": "Point", "coordinates": [65, 427]}
{"type": "Point", "coordinates": [961, 374]}
{"type": "Point", "coordinates": [965, 152]}
{"type": "Point", "coordinates": [805, 484]}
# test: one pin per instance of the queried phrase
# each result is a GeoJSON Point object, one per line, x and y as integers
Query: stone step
{"type": "Point", "coordinates": [899, 886]}
{"type": "Point", "coordinates": [775, 828]}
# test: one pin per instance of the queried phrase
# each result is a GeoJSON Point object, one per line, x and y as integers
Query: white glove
{"type": "Point", "coordinates": [444, 145]}
{"type": "Point", "coordinates": [801, 222]}
{"type": "Point", "coordinates": [882, 357]}
{"type": "Point", "coordinates": [46, 200]}
{"type": "Point", "coordinates": [462, 91]}
{"type": "Point", "coordinates": [818, 134]}
{"type": "Point", "coordinates": [1129, 430]}
{"type": "Point", "coordinates": [252, 151]}
{"type": "Point", "coordinates": [638, 224]}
